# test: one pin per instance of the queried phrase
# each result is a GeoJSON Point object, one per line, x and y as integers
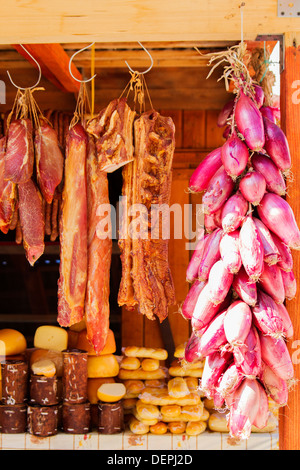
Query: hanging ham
{"type": "Point", "coordinates": [19, 156]}
{"type": "Point", "coordinates": [8, 192]}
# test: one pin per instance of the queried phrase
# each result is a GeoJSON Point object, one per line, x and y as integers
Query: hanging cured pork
{"type": "Point", "coordinates": [19, 156]}
{"type": "Point", "coordinates": [73, 230]}
{"type": "Point", "coordinates": [7, 193]}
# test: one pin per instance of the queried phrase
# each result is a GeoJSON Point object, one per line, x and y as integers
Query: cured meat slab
{"type": "Point", "coordinates": [19, 156]}
{"type": "Point", "coordinates": [8, 193]}
{"type": "Point", "coordinates": [113, 131]}
{"type": "Point", "coordinates": [99, 246]}
{"type": "Point", "coordinates": [73, 230]}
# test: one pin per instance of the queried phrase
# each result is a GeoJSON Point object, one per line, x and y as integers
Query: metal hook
{"type": "Point", "coordinates": [70, 63]}
{"type": "Point", "coordinates": [39, 68]}
{"type": "Point", "coordinates": [149, 68]}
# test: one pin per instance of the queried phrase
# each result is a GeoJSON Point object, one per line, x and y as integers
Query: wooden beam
{"type": "Point", "coordinates": [115, 20]}
{"type": "Point", "coordinates": [289, 416]}
{"type": "Point", "coordinates": [54, 63]}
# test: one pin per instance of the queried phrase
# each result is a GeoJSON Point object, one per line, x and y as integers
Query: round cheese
{"type": "Point", "coordinates": [44, 367]}
{"type": "Point", "coordinates": [110, 393]}
{"type": "Point", "coordinates": [12, 342]}
{"type": "Point", "coordinates": [85, 344]}
{"type": "Point", "coordinates": [54, 356]}
{"type": "Point", "coordinates": [102, 366]}
{"type": "Point", "coordinates": [93, 385]}
{"type": "Point", "coordinates": [51, 337]}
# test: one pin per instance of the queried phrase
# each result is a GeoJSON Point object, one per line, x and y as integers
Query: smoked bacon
{"type": "Point", "coordinates": [73, 230]}
{"type": "Point", "coordinates": [99, 246]}
{"type": "Point", "coordinates": [147, 256]}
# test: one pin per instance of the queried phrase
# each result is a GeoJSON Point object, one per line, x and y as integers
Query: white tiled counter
{"type": "Point", "coordinates": [129, 441]}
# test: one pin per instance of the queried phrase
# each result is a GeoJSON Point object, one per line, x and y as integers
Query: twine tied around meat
{"type": "Point", "coordinates": [26, 107]}
{"type": "Point", "coordinates": [82, 108]}
{"type": "Point", "coordinates": [137, 85]}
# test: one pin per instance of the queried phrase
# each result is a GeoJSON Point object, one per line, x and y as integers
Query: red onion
{"type": "Point", "coordinates": [275, 386]}
{"type": "Point", "coordinates": [288, 328]}
{"type": "Point", "coordinates": [213, 337]}
{"type": "Point", "coordinates": [276, 145]}
{"type": "Point", "coordinates": [276, 355]}
{"type": "Point", "coordinates": [213, 221]}
{"type": "Point", "coordinates": [249, 122]}
{"type": "Point", "coordinates": [271, 282]}
{"type": "Point", "coordinates": [234, 212]}
{"type": "Point", "coordinates": [289, 283]}
{"type": "Point", "coordinates": [263, 413]}
{"type": "Point", "coordinates": [226, 132]}
{"type": "Point", "coordinates": [253, 187]}
{"type": "Point", "coordinates": [275, 182]}
{"type": "Point", "coordinates": [193, 266]}
{"type": "Point", "coordinates": [201, 177]}
{"type": "Point", "coordinates": [235, 156]}
{"type": "Point", "coordinates": [229, 381]}
{"type": "Point", "coordinates": [278, 216]}
{"type": "Point", "coordinates": [211, 254]}
{"type": "Point", "coordinates": [230, 251]}
{"type": "Point", "coordinates": [204, 311]}
{"type": "Point", "coordinates": [244, 409]}
{"type": "Point", "coordinates": [244, 288]}
{"type": "Point", "coordinates": [225, 113]}
{"type": "Point", "coordinates": [189, 304]}
{"type": "Point", "coordinates": [191, 352]}
{"type": "Point", "coordinates": [219, 189]}
{"type": "Point", "coordinates": [285, 261]}
{"type": "Point", "coordinates": [247, 357]}
{"type": "Point", "coordinates": [214, 366]}
{"type": "Point", "coordinates": [219, 282]}
{"type": "Point", "coordinates": [271, 113]}
{"type": "Point", "coordinates": [271, 252]}
{"type": "Point", "coordinates": [251, 249]}
{"type": "Point", "coordinates": [259, 96]}
{"type": "Point", "coordinates": [237, 322]}
{"type": "Point", "coordinates": [266, 316]}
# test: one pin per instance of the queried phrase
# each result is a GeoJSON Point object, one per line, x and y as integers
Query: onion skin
{"type": "Point", "coordinates": [285, 261]}
{"type": "Point", "coordinates": [249, 122]}
{"type": "Point", "coordinates": [230, 251]}
{"type": "Point", "coordinates": [278, 216]}
{"type": "Point", "coordinates": [270, 112]}
{"type": "Point", "coordinates": [259, 96]}
{"type": "Point", "coordinates": [191, 352]}
{"type": "Point", "coordinates": [290, 284]}
{"type": "Point", "coordinates": [288, 328]}
{"type": "Point", "coordinates": [247, 357]}
{"type": "Point", "coordinates": [237, 322]}
{"type": "Point", "coordinates": [211, 254]}
{"type": "Point", "coordinates": [219, 282]}
{"type": "Point", "coordinates": [271, 282]}
{"type": "Point", "coordinates": [276, 145]}
{"type": "Point", "coordinates": [275, 182]}
{"type": "Point", "coordinates": [234, 212]}
{"type": "Point", "coordinates": [244, 288]}
{"type": "Point", "coordinates": [193, 266]}
{"type": "Point", "coordinates": [201, 177]}
{"type": "Point", "coordinates": [213, 221]}
{"type": "Point", "coordinates": [214, 366]}
{"type": "Point", "coordinates": [225, 113]}
{"type": "Point", "coordinates": [275, 355]}
{"type": "Point", "coordinates": [271, 252]}
{"type": "Point", "coordinates": [213, 337]}
{"type": "Point", "coordinates": [205, 310]}
{"type": "Point", "coordinates": [189, 304]}
{"type": "Point", "coordinates": [262, 416]}
{"type": "Point", "coordinates": [219, 189]}
{"type": "Point", "coordinates": [253, 187]}
{"type": "Point", "coordinates": [244, 409]}
{"type": "Point", "coordinates": [275, 386]}
{"type": "Point", "coordinates": [251, 249]}
{"type": "Point", "coordinates": [266, 317]}
{"type": "Point", "coordinates": [235, 156]}
{"type": "Point", "coordinates": [229, 381]}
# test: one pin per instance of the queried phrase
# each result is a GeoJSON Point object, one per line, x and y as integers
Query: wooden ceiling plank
{"type": "Point", "coordinates": [54, 63]}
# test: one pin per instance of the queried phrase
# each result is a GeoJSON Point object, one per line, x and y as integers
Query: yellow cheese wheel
{"type": "Point", "coordinates": [44, 367]}
{"type": "Point", "coordinates": [55, 356]}
{"type": "Point", "coordinates": [84, 343]}
{"type": "Point", "coordinates": [102, 366]}
{"type": "Point", "coordinates": [81, 325]}
{"type": "Point", "coordinates": [93, 385]}
{"type": "Point", "coordinates": [110, 393]}
{"type": "Point", "coordinates": [12, 342]}
{"type": "Point", "coordinates": [51, 337]}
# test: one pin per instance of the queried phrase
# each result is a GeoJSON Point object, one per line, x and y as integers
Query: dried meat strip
{"type": "Point", "coordinates": [73, 230]}
{"type": "Point", "coordinates": [49, 160]}
{"type": "Point", "coordinates": [19, 156]}
{"type": "Point", "coordinates": [97, 307]}
{"type": "Point", "coordinates": [32, 222]}
{"type": "Point", "coordinates": [8, 193]}
{"type": "Point", "coordinates": [113, 131]}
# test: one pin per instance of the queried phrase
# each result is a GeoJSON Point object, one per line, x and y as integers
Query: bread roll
{"type": "Point", "coordinates": [192, 412]}
{"type": "Point", "coordinates": [133, 388]}
{"type": "Point", "coordinates": [161, 397]}
{"type": "Point", "coordinates": [194, 428]}
{"type": "Point", "coordinates": [159, 428]}
{"type": "Point", "coordinates": [177, 427]}
{"type": "Point", "coordinates": [147, 411]}
{"type": "Point", "coordinates": [205, 415]}
{"type": "Point", "coordinates": [129, 403]}
{"type": "Point", "coordinates": [180, 351]}
{"type": "Point", "coordinates": [178, 371]}
{"type": "Point", "coordinates": [217, 422]}
{"type": "Point", "coordinates": [155, 383]}
{"type": "Point", "coordinates": [141, 374]}
{"type": "Point", "coordinates": [130, 363]}
{"type": "Point", "coordinates": [170, 411]}
{"type": "Point", "coordinates": [192, 383]}
{"type": "Point", "coordinates": [137, 427]}
{"type": "Point", "coordinates": [152, 353]}
{"type": "Point", "coordinates": [147, 421]}
{"type": "Point", "coordinates": [150, 364]}
{"type": "Point", "coordinates": [177, 387]}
